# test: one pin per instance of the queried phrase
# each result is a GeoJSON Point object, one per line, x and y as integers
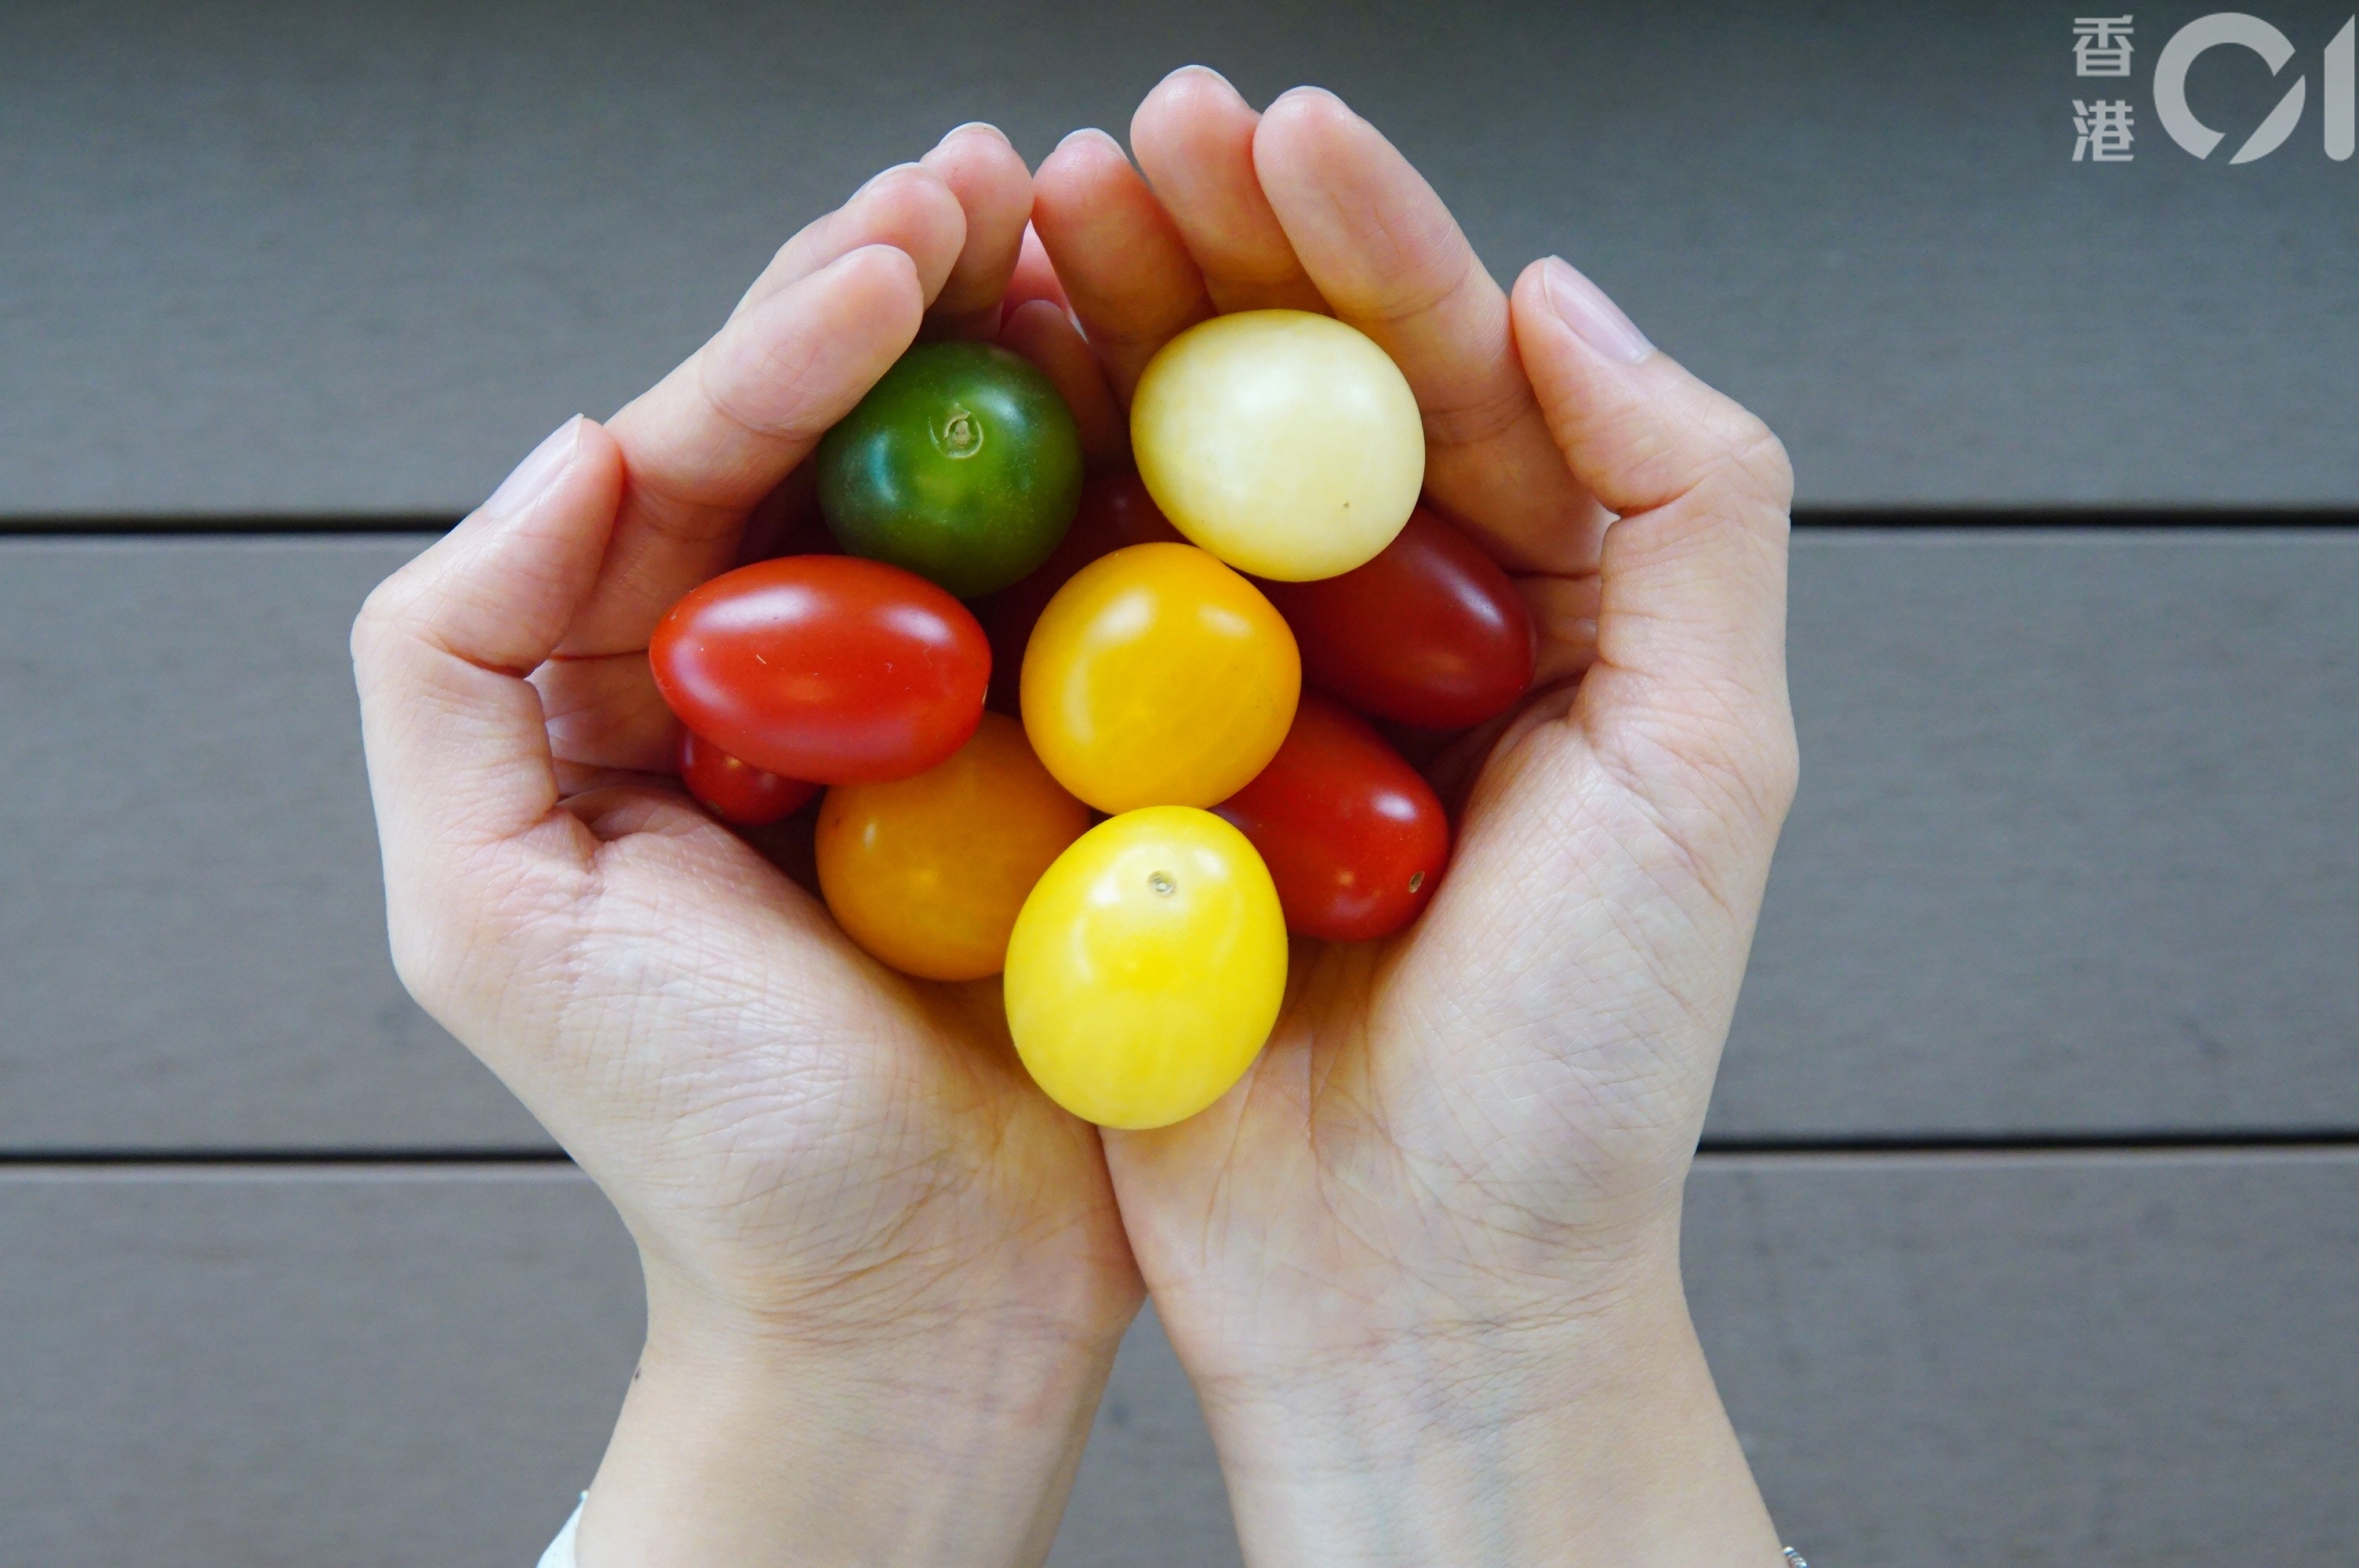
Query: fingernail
{"type": "Point", "coordinates": [1582, 306]}
{"type": "Point", "coordinates": [984, 125]}
{"type": "Point", "coordinates": [1307, 90]}
{"type": "Point", "coordinates": [1205, 71]}
{"type": "Point", "coordinates": [880, 173]}
{"type": "Point", "coordinates": [525, 484]}
{"type": "Point", "coordinates": [1090, 133]}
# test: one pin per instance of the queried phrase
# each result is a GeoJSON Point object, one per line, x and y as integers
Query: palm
{"type": "Point", "coordinates": [780, 1068]}
{"type": "Point", "coordinates": [1435, 1119]}
{"type": "Point", "coordinates": [785, 1125]}
{"type": "Point", "coordinates": [1448, 1127]}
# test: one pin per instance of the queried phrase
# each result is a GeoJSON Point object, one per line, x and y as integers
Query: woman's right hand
{"type": "Point", "coordinates": [885, 1275]}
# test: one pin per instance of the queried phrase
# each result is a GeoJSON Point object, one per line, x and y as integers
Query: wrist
{"type": "Point", "coordinates": [1590, 1435]}
{"type": "Point", "coordinates": [746, 1441]}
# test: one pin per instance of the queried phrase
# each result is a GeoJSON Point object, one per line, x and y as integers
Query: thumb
{"type": "Point", "coordinates": [1690, 667]}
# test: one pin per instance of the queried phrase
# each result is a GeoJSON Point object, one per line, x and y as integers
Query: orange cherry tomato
{"type": "Point", "coordinates": [1159, 676]}
{"type": "Point", "coordinates": [927, 873]}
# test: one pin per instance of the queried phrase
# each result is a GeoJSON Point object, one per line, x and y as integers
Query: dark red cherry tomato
{"type": "Point", "coordinates": [1430, 633]}
{"type": "Point", "coordinates": [735, 790]}
{"type": "Point", "coordinates": [1116, 513]}
{"type": "Point", "coordinates": [1354, 839]}
{"type": "Point", "coordinates": [828, 668]}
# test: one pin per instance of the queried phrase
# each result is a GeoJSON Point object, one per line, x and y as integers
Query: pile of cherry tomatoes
{"type": "Point", "coordinates": [1111, 656]}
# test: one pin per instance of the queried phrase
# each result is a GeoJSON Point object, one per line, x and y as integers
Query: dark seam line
{"type": "Point", "coordinates": [1904, 519]}
{"type": "Point", "coordinates": [1896, 519]}
{"type": "Point", "coordinates": [2039, 1143]}
{"type": "Point", "coordinates": [1934, 1143]}
{"type": "Point", "coordinates": [155, 527]}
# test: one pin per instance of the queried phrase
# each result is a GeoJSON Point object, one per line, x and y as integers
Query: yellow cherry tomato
{"type": "Point", "coordinates": [1157, 677]}
{"type": "Point", "coordinates": [1146, 968]}
{"type": "Point", "coordinates": [1287, 444]}
{"type": "Point", "coordinates": [927, 873]}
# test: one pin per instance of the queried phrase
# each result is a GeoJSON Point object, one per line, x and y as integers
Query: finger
{"type": "Point", "coordinates": [1035, 279]}
{"type": "Point", "coordinates": [1045, 335]}
{"type": "Point", "coordinates": [995, 190]}
{"type": "Point", "coordinates": [1130, 278]}
{"type": "Point", "coordinates": [1692, 611]}
{"type": "Point", "coordinates": [721, 432]}
{"type": "Point", "coordinates": [458, 750]}
{"type": "Point", "coordinates": [1564, 612]}
{"type": "Point", "coordinates": [605, 712]}
{"type": "Point", "coordinates": [1194, 137]}
{"type": "Point", "coordinates": [1391, 261]}
{"type": "Point", "coordinates": [907, 207]}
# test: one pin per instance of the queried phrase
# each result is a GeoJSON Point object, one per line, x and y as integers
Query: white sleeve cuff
{"type": "Point", "coordinates": [560, 1551]}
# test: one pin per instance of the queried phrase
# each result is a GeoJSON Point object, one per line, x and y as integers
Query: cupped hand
{"type": "Point", "coordinates": [1422, 1262]}
{"type": "Point", "coordinates": [885, 1275]}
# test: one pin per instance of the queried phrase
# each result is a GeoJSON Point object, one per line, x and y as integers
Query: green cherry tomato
{"type": "Point", "coordinates": [961, 465]}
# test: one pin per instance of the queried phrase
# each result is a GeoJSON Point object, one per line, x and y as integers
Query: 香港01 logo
{"type": "Point", "coordinates": [2105, 130]}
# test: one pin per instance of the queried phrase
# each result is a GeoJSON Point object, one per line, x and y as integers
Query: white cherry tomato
{"type": "Point", "coordinates": [1287, 444]}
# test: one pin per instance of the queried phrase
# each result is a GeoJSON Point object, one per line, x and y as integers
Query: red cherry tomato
{"type": "Point", "coordinates": [1355, 839]}
{"type": "Point", "coordinates": [1116, 513]}
{"type": "Point", "coordinates": [828, 668]}
{"type": "Point", "coordinates": [1430, 633]}
{"type": "Point", "coordinates": [735, 790]}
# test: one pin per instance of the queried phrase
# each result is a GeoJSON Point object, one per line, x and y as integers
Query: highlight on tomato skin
{"type": "Point", "coordinates": [1432, 632]}
{"type": "Point", "coordinates": [1354, 838]}
{"type": "Point", "coordinates": [1115, 512]}
{"type": "Point", "coordinates": [830, 669]}
{"type": "Point", "coordinates": [735, 790]}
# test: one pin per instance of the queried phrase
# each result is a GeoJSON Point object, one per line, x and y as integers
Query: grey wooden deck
{"type": "Point", "coordinates": [2027, 1229]}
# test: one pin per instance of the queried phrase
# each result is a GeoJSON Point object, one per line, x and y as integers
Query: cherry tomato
{"type": "Point", "coordinates": [1145, 971]}
{"type": "Point", "coordinates": [927, 873]}
{"type": "Point", "coordinates": [961, 464]}
{"type": "Point", "coordinates": [1353, 837]}
{"type": "Point", "coordinates": [1115, 512]}
{"type": "Point", "coordinates": [735, 789]}
{"type": "Point", "coordinates": [1157, 677]}
{"type": "Point", "coordinates": [1432, 632]}
{"type": "Point", "coordinates": [824, 667]}
{"type": "Point", "coordinates": [1288, 444]}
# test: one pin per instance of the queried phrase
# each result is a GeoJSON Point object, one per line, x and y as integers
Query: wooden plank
{"type": "Point", "coordinates": [193, 944]}
{"type": "Point", "coordinates": [2094, 1361]}
{"type": "Point", "coordinates": [264, 1368]}
{"type": "Point", "coordinates": [1150, 1494]}
{"type": "Point", "coordinates": [2048, 1361]}
{"type": "Point", "coordinates": [2077, 846]}
{"type": "Point", "coordinates": [267, 259]}
{"type": "Point", "coordinates": [2076, 849]}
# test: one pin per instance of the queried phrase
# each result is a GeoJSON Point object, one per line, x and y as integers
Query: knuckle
{"type": "Point", "coordinates": [1777, 772]}
{"type": "Point", "coordinates": [1757, 453]}
{"type": "Point", "coordinates": [382, 617]}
